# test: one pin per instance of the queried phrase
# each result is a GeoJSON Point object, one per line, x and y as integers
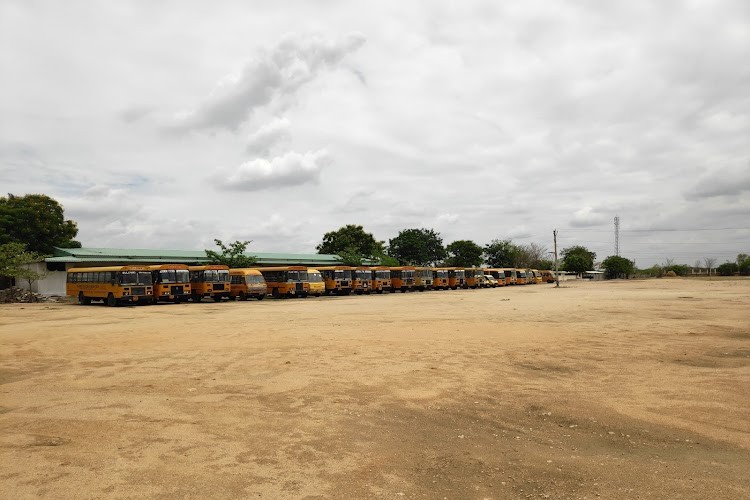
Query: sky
{"type": "Point", "coordinates": [166, 124]}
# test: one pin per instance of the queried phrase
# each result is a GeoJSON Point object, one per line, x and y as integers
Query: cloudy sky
{"type": "Point", "coordinates": [166, 124]}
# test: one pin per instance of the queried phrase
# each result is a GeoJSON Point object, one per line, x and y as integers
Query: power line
{"type": "Point", "coordinates": [659, 230]}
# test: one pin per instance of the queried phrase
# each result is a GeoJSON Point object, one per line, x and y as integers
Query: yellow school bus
{"type": "Point", "coordinates": [381, 278]}
{"type": "Point", "coordinates": [338, 279]}
{"type": "Point", "coordinates": [361, 280]}
{"type": "Point", "coordinates": [171, 282]}
{"type": "Point", "coordinates": [548, 276]}
{"type": "Point", "coordinates": [402, 278]}
{"type": "Point", "coordinates": [510, 275]}
{"type": "Point", "coordinates": [286, 281]}
{"type": "Point", "coordinates": [533, 276]}
{"type": "Point", "coordinates": [456, 278]}
{"type": "Point", "coordinates": [440, 279]}
{"type": "Point", "coordinates": [112, 284]}
{"type": "Point", "coordinates": [537, 276]}
{"type": "Point", "coordinates": [246, 283]}
{"type": "Point", "coordinates": [423, 278]}
{"type": "Point", "coordinates": [317, 286]}
{"type": "Point", "coordinates": [498, 274]}
{"type": "Point", "coordinates": [211, 280]}
{"type": "Point", "coordinates": [521, 278]}
{"type": "Point", "coordinates": [473, 277]}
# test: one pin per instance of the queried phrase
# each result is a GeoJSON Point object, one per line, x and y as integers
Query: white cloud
{"type": "Point", "coordinates": [269, 135]}
{"type": "Point", "coordinates": [721, 182]}
{"type": "Point", "coordinates": [291, 169]}
{"type": "Point", "coordinates": [271, 74]}
{"type": "Point", "coordinates": [516, 117]}
{"type": "Point", "coordinates": [588, 216]}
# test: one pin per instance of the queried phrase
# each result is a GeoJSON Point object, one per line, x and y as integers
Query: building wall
{"type": "Point", "coordinates": [52, 284]}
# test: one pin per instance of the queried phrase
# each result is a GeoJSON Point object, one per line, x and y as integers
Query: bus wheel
{"type": "Point", "coordinates": [195, 297]}
{"type": "Point", "coordinates": [83, 300]}
{"type": "Point", "coordinates": [242, 296]}
{"type": "Point", "coordinates": [261, 296]}
{"type": "Point", "coordinates": [111, 300]}
{"type": "Point", "coordinates": [217, 298]}
{"type": "Point", "coordinates": [275, 293]}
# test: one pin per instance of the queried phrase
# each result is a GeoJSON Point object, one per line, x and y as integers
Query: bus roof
{"type": "Point", "coordinates": [107, 268]}
{"type": "Point", "coordinates": [164, 267]}
{"type": "Point", "coordinates": [282, 268]}
{"type": "Point", "coordinates": [209, 267]}
{"type": "Point", "coordinates": [334, 268]}
{"type": "Point", "coordinates": [241, 271]}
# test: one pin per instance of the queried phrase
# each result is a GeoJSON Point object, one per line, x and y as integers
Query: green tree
{"type": "Point", "coordinates": [617, 267]}
{"type": "Point", "coordinates": [728, 269]}
{"type": "Point", "coordinates": [16, 262]}
{"type": "Point", "coordinates": [578, 259]}
{"type": "Point", "coordinates": [232, 255]}
{"type": "Point", "coordinates": [530, 255]}
{"type": "Point", "coordinates": [463, 253]}
{"type": "Point", "coordinates": [501, 253]}
{"type": "Point", "coordinates": [678, 269]}
{"type": "Point", "coordinates": [545, 264]}
{"type": "Point", "coordinates": [37, 221]}
{"type": "Point", "coordinates": [743, 264]}
{"type": "Point", "coordinates": [417, 247]}
{"type": "Point", "coordinates": [351, 239]}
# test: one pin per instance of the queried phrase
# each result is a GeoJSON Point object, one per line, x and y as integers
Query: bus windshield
{"type": "Point", "coordinates": [135, 278]}
{"type": "Point", "coordinates": [383, 275]}
{"type": "Point", "coordinates": [174, 276]}
{"type": "Point", "coordinates": [214, 275]}
{"type": "Point", "coordinates": [342, 275]}
{"type": "Point", "coordinates": [297, 276]}
{"type": "Point", "coordinates": [314, 277]}
{"type": "Point", "coordinates": [363, 275]}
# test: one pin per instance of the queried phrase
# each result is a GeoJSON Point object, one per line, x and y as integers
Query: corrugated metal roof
{"type": "Point", "coordinates": [109, 255]}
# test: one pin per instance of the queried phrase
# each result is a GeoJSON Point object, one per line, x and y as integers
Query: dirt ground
{"type": "Point", "coordinates": [628, 389]}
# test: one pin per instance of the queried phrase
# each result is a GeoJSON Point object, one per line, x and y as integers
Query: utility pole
{"type": "Point", "coordinates": [557, 271]}
{"type": "Point", "coordinates": [617, 235]}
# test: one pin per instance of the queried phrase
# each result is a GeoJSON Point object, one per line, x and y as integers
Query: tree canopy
{"type": "Point", "coordinates": [463, 253]}
{"type": "Point", "coordinates": [417, 247]}
{"type": "Point", "coordinates": [501, 253]}
{"type": "Point", "coordinates": [578, 259]}
{"type": "Point", "coordinates": [617, 267]}
{"type": "Point", "coordinates": [232, 255]}
{"type": "Point", "coordinates": [16, 261]}
{"type": "Point", "coordinates": [352, 244]}
{"type": "Point", "coordinates": [37, 222]}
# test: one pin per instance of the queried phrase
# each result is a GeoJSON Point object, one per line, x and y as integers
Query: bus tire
{"type": "Point", "coordinates": [275, 293]}
{"type": "Point", "coordinates": [242, 296]}
{"type": "Point", "coordinates": [111, 300]}
{"type": "Point", "coordinates": [83, 300]}
{"type": "Point", "coordinates": [195, 297]}
{"type": "Point", "coordinates": [261, 296]}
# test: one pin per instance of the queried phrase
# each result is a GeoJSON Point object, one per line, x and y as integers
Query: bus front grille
{"type": "Point", "coordinates": [298, 287]}
{"type": "Point", "coordinates": [177, 290]}
{"type": "Point", "coordinates": [138, 290]}
{"type": "Point", "coordinates": [218, 286]}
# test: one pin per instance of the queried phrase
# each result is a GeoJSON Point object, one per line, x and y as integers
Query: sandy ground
{"type": "Point", "coordinates": [637, 389]}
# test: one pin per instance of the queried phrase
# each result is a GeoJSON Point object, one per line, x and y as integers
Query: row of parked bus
{"type": "Point", "coordinates": [178, 282]}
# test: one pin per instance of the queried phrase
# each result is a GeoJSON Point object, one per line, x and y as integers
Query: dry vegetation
{"type": "Point", "coordinates": [636, 389]}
